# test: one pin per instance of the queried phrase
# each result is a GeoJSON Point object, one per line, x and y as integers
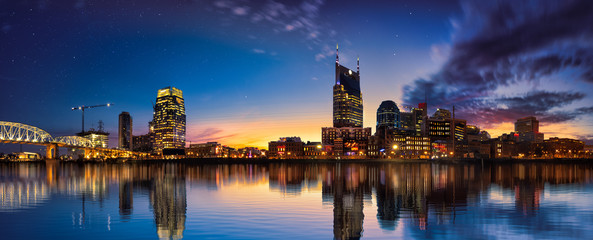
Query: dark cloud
{"type": "Point", "coordinates": [563, 116]}
{"type": "Point", "coordinates": [537, 103]}
{"type": "Point", "coordinates": [508, 109]}
{"type": "Point", "coordinates": [511, 28]}
{"type": "Point", "coordinates": [501, 43]}
{"type": "Point", "coordinates": [588, 76]}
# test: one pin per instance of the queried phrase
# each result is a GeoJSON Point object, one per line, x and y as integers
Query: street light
{"type": "Point", "coordinates": [394, 147]}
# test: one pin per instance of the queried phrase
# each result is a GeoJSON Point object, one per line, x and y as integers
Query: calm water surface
{"type": "Point", "coordinates": [296, 201]}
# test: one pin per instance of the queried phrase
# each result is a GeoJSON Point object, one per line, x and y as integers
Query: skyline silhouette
{"type": "Point", "coordinates": [253, 72]}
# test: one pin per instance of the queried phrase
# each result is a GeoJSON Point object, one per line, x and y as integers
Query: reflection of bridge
{"type": "Point", "coordinates": [18, 133]}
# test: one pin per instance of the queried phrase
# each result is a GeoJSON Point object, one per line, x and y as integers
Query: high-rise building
{"type": "Point", "coordinates": [169, 121]}
{"type": "Point", "coordinates": [406, 121]}
{"type": "Point", "coordinates": [387, 115]}
{"type": "Point", "coordinates": [125, 131]}
{"type": "Point", "coordinates": [527, 124]}
{"type": "Point", "coordinates": [347, 96]}
{"type": "Point", "coordinates": [419, 115]}
{"type": "Point", "coordinates": [528, 130]}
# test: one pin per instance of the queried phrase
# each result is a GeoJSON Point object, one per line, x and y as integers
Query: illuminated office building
{"type": "Point", "coordinates": [346, 141]}
{"type": "Point", "coordinates": [406, 121]}
{"type": "Point", "coordinates": [419, 115]}
{"type": "Point", "coordinates": [347, 96]}
{"type": "Point", "coordinates": [286, 147]}
{"type": "Point", "coordinates": [98, 138]}
{"type": "Point", "coordinates": [387, 115]}
{"type": "Point", "coordinates": [169, 121]}
{"type": "Point", "coordinates": [125, 131]}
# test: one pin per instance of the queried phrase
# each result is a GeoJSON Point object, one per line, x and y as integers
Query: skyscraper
{"type": "Point", "coordinates": [169, 121]}
{"type": "Point", "coordinates": [347, 96]}
{"type": "Point", "coordinates": [124, 136]}
{"type": "Point", "coordinates": [387, 115]}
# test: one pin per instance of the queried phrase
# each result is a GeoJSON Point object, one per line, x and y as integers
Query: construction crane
{"type": "Point", "coordinates": [83, 107]}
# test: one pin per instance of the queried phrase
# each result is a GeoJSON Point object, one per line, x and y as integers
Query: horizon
{"type": "Point", "coordinates": [252, 73]}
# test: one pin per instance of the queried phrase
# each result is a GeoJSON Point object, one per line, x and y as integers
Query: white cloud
{"type": "Point", "coordinates": [286, 17]}
{"type": "Point", "coordinates": [439, 53]}
{"type": "Point", "coordinates": [326, 51]}
{"type": "Point", "coordinates": [240, 11]}
{"type": "Point", "coordinates": [259, 51]}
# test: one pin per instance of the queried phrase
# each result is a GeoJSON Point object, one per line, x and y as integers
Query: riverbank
{"type": "Point", "coordinates": [442, 160]}
{"type": "Point", "coordinates": [267, 161]}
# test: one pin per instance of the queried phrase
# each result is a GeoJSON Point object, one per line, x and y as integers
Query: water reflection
{"type": "Point", "coordinates": [426, 200]}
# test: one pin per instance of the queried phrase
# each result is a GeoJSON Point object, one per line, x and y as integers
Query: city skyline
{"type": "Point", "coordinates": [243, 68]}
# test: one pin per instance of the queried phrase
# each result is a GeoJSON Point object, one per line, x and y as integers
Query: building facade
{"type": "Point", "coordinates": [144, 143]}
{"type": "Point", "coordinates": [169, 121]}
{"type": "Point", "coordinates": [346, 141]}
{"type": "Point", "coordinates": [286, 147]}
{"type": "Point", "coordinates": [124, 136]}
{"type": "Point", "coordinates": [407, 121]}
{"type": "Point", "coordinates": [527, 124]}
{"type": "Point", "coordinates": [205, 150]}
{"type": "Point", "coordinates": [98, 138]}
{"type": "Point", "coordinates": [419, 116]}
{"type": "Point", "coordinates": [528, 130]}
{"type": "Point", "coordinates": [411, 147]}
{"type": "Point", "coordinates": [347, 97]}
{"type": "Point", "coordinates": [387, 115]}
{"type": "Point", "coordinates": [314, 150]}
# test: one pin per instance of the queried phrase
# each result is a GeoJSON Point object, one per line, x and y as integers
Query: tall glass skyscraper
{"type": "Point", "coordinates": [387, 115]}
{"type": "Point", "coordinates": [125, 131]}
{"type": "Point", "coordinates": [169, 120]}
{"type": "Point", "coordinates": [347, 96]}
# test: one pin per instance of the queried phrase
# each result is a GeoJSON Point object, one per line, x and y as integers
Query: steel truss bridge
{"type": "Point", "coordinates": [18, 133]}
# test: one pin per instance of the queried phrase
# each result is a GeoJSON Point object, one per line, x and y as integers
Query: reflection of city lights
{"type": "Point", "coordinates": [16, 195]}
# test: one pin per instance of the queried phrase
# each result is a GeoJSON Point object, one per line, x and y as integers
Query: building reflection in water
{"type": "Point", "coordinates": [345, 185]}
{"type": "Point", "coordinates": [169, 203]}
{"type": "Point", "coordinates": [168, 200]}
{"type": "Point", "coordinates": [388, 204]}
{"type": "Point", "coordinates": [416, 194]}
{"type": "Point", "coordinates": [126, 198]}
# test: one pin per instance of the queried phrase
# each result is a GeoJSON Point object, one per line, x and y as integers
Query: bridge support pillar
{"type": "Point", "coordinates": [87, 153]}
{"type": "Point", "coordinates": [51, 151]}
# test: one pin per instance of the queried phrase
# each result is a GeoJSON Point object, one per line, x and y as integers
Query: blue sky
{"type": "Point", "coordinates": [253, 71]}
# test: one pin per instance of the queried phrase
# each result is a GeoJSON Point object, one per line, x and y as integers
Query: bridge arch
{"type": "Point", "coordinates": [74, 141]}
{"type": "Point", "coordinates": [12, 131]}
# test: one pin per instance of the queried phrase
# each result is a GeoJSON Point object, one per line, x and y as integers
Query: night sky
{"type": "Point", "coordinates": [255, 71]}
